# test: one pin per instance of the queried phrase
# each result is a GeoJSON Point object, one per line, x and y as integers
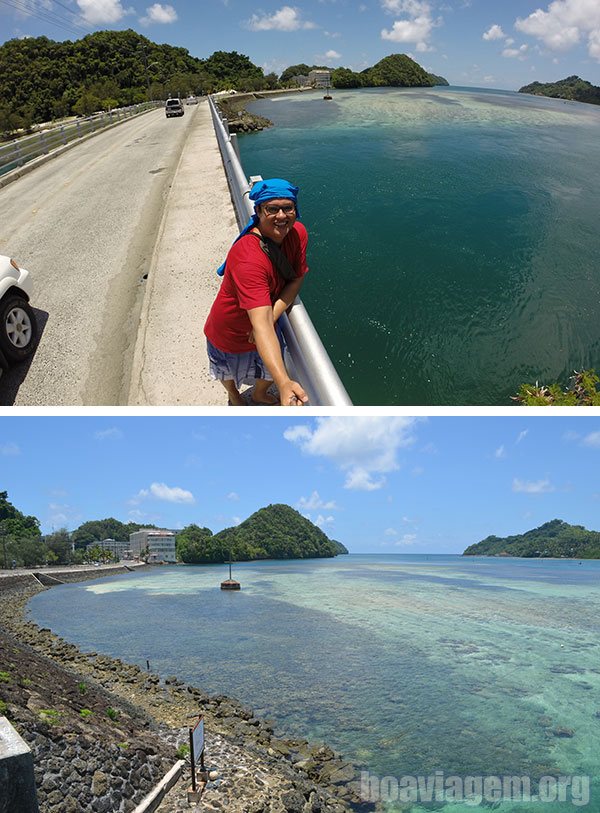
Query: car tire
{"type": "Point", "coordinates": [18, 328]}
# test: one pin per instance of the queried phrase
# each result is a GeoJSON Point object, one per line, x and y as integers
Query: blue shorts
{"type": "Point", "coordinates": [242, 368]}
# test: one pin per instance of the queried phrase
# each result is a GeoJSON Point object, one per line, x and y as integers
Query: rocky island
{"type": "Point", "coordinates": [554, 539]}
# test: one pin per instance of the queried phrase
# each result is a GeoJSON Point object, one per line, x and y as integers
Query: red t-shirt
{"type": "Point", "coordinates": [250, 281]}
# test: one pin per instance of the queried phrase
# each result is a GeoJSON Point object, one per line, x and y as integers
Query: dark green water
{"type": "Point", "coordinates": [407, 664]}
{"type": "Point", "coordinates": [455, 249]}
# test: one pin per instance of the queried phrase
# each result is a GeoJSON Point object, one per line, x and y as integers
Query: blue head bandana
{"type": "Point", "coordinates": [261, 192]}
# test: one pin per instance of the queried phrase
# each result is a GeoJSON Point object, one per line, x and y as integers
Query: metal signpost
{"type": "Point", "coordinates": [197, 753]}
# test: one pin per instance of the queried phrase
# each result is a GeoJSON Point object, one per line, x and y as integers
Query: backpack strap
{"type": "Point", "coordinates": [278, 258]}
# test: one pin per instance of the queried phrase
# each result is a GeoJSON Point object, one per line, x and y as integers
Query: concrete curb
{"type": "Point", "coordinates": [17, 173]}
{"type": "Point", "coordinates": [155, 797]}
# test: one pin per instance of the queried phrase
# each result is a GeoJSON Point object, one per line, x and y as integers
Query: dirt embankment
{"type": "Point", "coordinates": [103, 732]}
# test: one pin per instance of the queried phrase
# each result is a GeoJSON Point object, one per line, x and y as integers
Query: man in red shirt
{"type": "Point", "coordinates": [242, 341]}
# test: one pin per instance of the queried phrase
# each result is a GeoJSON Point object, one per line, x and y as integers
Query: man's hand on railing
{"type": "Point", "coordinates": [291, 394]}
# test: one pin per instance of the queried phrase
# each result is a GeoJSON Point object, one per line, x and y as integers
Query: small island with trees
{"type": "Point", "coordinates": [572, 89]}
{"type": "Point", "coordinates": [555, 539]}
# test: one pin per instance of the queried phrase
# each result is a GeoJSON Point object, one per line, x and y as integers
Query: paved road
{"type": "Point", "coordinates": [85, 225]}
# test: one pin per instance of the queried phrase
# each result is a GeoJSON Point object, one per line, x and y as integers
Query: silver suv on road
{"type": "Point", "coordinates": [173, 107]}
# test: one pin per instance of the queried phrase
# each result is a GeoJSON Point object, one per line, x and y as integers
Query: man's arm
{"type": "Point", "coordinates": [267, 344]}
{"type": "Point", "coordinates": [286, 297]}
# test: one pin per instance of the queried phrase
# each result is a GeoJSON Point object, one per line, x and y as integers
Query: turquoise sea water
{"type": "Point", "coordinates": [407, 664]}
{"type": "Point", "coordinates": [454, 245]}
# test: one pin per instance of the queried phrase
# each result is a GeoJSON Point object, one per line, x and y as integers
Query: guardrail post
{"type": "Point", "coordinates": [78, 128]}
{"type": "Point", "coordinates": [235, 144]}
{"type": "Point", "coordinates": [44, 143]}
{"type": "Point", "coordinates": [63, 133]}
{"type": "Point", "coordinates": [18, 153]}
{"type": "Point", "coordinates": [226, 125]}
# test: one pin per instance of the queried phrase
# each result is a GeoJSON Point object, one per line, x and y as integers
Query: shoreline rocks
{"type": "Point", "coordinates": [239, 120]}
{"type": "Point", "coordinates": [110, 731]}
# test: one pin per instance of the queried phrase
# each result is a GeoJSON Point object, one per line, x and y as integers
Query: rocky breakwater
{"type": "Point", "coordinates": [103, 732]}
{"type": "Point", "coordinates": [239, 120]}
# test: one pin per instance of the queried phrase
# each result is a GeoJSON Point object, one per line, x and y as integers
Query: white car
{"type": "Point", "coordinates": [18, 325]}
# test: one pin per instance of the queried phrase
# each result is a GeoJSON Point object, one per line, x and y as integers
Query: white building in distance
{"type": "Point", "coordinates": [320, 79]}
{"type": "Point", "coordinates": [118, 549]}
{"type": "Point", "coordinates": [160, 544]}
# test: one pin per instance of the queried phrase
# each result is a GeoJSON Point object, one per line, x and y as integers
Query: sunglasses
{"type": "Point", "coordinates": [272, 210]}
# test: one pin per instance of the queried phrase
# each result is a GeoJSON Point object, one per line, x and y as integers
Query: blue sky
{"type": "Point", "coordinates": [471, 42]}
{"type": "Point", "coordinates": [380, 484]}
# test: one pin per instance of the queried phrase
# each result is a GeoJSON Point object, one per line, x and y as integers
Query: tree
{"type": "Point", "coordinates": [59, 543]}
{"type": "Point", "coordinates": [345, 78]}
{"type": "Point", "coordinates": [195, 544]}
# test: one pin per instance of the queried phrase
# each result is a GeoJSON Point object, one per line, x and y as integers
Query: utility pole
{"type": "Point", "coordinates": [3, 535]}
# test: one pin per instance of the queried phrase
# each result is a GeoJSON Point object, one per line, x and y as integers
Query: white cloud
{"type": "Point", "coordinates": [157, 13]}
{"type": "Point", "coordinates": [522, 435]}
{"type": "Point", "coordinates": [286, 19]}
{"type": "Point", "coordinates": [10, 449]}
{"type": "Point", "coordinates": [109, 434]}
{"type": "Point", "coordinates": [509, 41]}
{"type": "Point", "coordinates": [500, 452]}
{"type": "Point", "coordinates": [516, 53]}
{"type": "Point", "coordinates": [233, 495]}
{"type": "Point", "coordinates": [321, 521]}
{"type": "Point", "coordinates": [364, 447]}
{"type": "Point", "coordinates": [98, 12]}
{"type": "Point", "coordinates": [494, 33]}
{"type": "Point", "coordinates": [333, 55]}
{"type": "Point", "coordinates": [407, 539]}
{"type": "Point", "coordinates": [417, 28]}
{"type": "Point", "coordinates": [529, 487]}
{"type": "Point", "coordinates": [391, 532]}
{"type": "Point", "coordinates": [236, 520]}
{"type": "Point", "coordinates": [315, 503]}
{"type": "Point", "coordinates": [160, 491]}
{"type": "Point", "coordinates": [414, 8]}
{"type": "Point", "coordinates": [593, 439]}
{"type": "Point", "coordinates": [61, 515]}
{"type": "Point", "coordinates": [594, 44]}
{"type": "Point", "coordinates": [564, 24]}
{"type": "Point", "coordinates": [294, 433]}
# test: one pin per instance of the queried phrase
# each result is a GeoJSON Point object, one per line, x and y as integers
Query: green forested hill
{"type": "Point", "coordinates": [573, 88]}
{"type": "Point", "coordinates": [274, 532]}
{"type": "Point", "coordinates": [396, 70]}
{"type": "Point", "coordinates": [41, 79]}
{"type": "Point", "coordinates": [553, 539]}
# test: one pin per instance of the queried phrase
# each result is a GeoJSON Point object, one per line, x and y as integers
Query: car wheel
{"type": "Point", "coordinates": [18, 328]}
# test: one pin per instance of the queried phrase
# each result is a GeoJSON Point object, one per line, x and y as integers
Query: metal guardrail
{"type": "Point", "coordinates": [21, 150]}
{"type": "Point", "coordinates": [307, 360]}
